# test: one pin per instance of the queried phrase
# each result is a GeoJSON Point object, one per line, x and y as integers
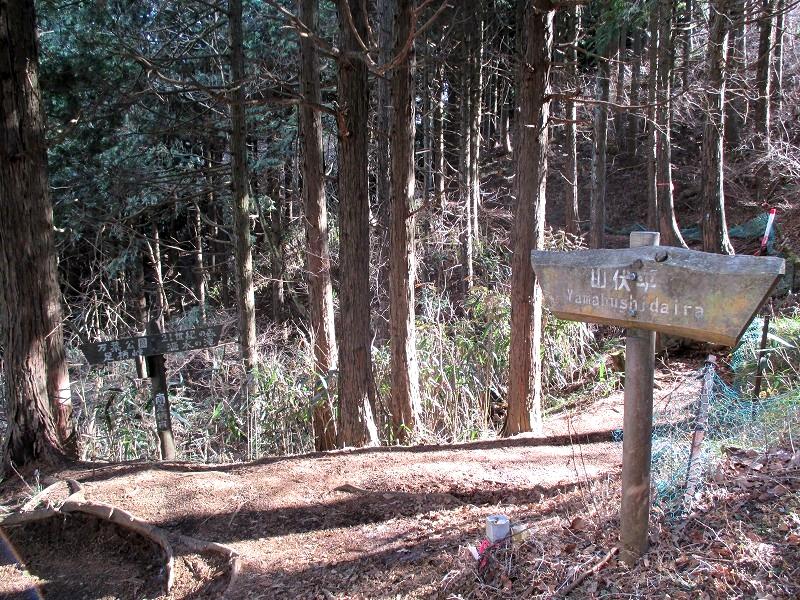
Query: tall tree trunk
{"type": "Point", "coordinates": [490, 102]}
{"type": "Point", "coordinates": [597, 205]}
{"type": "Point", "coordinates": [426, 121]}
{"type": "Point", "coordinates": [160, 302]}
{"type": "Point", "coordinates": [737, 105]}
{"type": "Point", "coordinates": [465, 183]}
{"type": "Point", "coordinates": [506, 111]}
{"type": "Point", "coordinates": [475, 62]}
{"type": "Point", "coordinates": [318, 258]}
{"type": "Point", "coordinates": [405, 398]}
{"type": "Point", "coordinates": [650, 140]}
{"type": "Point", "coordinates": [670, 234]}
{"type": "Point", "coordinates": [356, 384]}
{"type": "Point", "coordinates": [687, 23]}
{"type": "Point", "coordinates": [438, 138]}
{"type": "Point", "coordinates": [138, 307]}
{"type": "Point", "coordinates": [572, 223]}
{"type": "Point", "coordinates": [243, 246]}
{"type": "Point", "coordinates": [777, 71]}
{"type": "Point", "coordinates": [218, 247]}
{"type": "Point", "coordinates": [634, 119]}
{"type": "Point", "coordinates": [276, 216]}
{"type": "Point", "coordinates": [198, 270]}
{"type": "Point", "coordinates": [380, 136]}
{"type": "Point", "coordinates": [619, 93]}
{"type": "Point", "coordinates": [525, 375]}
{"type": "Point", "coordinates": [38, 402]}
{"type": "Point", "coordinates": [766, 41]}
{"type": "Point", "coordinates": [715, 229]}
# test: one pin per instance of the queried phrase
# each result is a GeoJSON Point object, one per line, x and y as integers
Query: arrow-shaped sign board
{"type": "Point", "coordinates": [98, 353]}
{"type": "Point", "coordinates": [649, 288]}
{"type": "Point", "coordinates": [685, 293]}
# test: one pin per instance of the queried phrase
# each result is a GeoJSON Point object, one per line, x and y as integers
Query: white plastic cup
{"type": "Point", "coordinates": [498, 527]}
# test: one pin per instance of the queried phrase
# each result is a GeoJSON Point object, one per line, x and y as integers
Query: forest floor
{"type": "Point", "coordinates": [390, 522]}
{"type": "Point", "coordinates": [397, 522]}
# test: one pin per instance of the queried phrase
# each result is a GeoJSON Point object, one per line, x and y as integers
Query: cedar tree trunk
{"type": "Point", "coordinates": [525, 376]}
{"type": "Point", "coordinates": [667, 225]}
{"type": "Point", "coordinates": [715, 229]}
{"type": "Point", "coordinates": [572, 224]}
{"type": "Point", "coordinates": [405, 397]}
{"type": "Point", "coordinates": [356, 384]}
{"type": "Point", "coordinates": [243, 246]}
{"type": "Point", "coordinates": [38, 403]}
{"type": "Point", "coordinates": [318, 258]}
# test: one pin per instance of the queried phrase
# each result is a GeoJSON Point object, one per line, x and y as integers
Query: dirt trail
{"type": "Point", "coordinates": [321, 523]}
{"type": "Point", "coordinates": [369, 523]}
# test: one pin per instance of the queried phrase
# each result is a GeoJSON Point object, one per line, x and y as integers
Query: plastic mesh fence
{"type": "Point", "coordinates": [752, 229]}
{"type": "Point", "coordinates": [735, 419]}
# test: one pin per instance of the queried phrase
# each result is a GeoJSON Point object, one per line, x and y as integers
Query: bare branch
{"type": "Point", "coordinates": [305, 31]}
{"type": "Point", "coordinates": [381, 70]}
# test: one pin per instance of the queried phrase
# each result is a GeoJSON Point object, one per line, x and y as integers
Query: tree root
{"type": "Point", "coordinates": [76, 503]}
{"type": "Point", "coordinates": [126, 520]}
{"type": "Point", "coordinates": [580, 578]}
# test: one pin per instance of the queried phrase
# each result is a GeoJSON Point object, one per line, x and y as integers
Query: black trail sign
{"type": "Point", "coordinates": [648, 288]}
{"type": "Point", "coordinates": [154, 345]}
{"type": "Point", "coordinates": [98, 353]}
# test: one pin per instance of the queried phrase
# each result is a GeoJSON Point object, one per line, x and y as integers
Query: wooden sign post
{"type": "Point", "coordinates": [649, 288]}
{"type": "Point", "coordinates": [153, 346]}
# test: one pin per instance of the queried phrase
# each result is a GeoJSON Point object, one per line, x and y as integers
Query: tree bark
{"type": "Point", "coordinates": [243, 246]}
{"type": "Point", "coordinates": [737, 105]}
{"type": "Point", "coordinates": [467, 234]}
{"type": "Point", "coordinates": [668, 226]}
{"type": "Point", "coordinates": [475, 37]}
{"type": "Point", "coordinates": [687, 40]}
{"type": "Point", "coordinates": [597, 203]}
{"type": "Point", "coordinates": [777, 71]}
{"type": "Point", "coordinates": [766, 40]}
{"type": "Point", "coordinates": [318, 259]}
{"type": "Point", "coordinates": [634, 119]}
{"type": "Point", "coordinates": [383, 190]}
{"type": "Point", "coordinates": [405, 397]}
{"type": "Point", "coordinates": [715, 229]}
{"type": "Point", "coordinates": [356, 384]}
{"type": "Point", "coordinates": [619, 94]}
{"type": "Point", "coordinates": [438, 138]}
{"type": "Point", "coordinates": [525, 375]}
{"type": "Point", "coordinates": [38, 402]}
{"type": "Point", "coordinates": [276, 217]}
{"type": "Point", "coordinates": [572, 223]}
{"type": "Point", "coordinates": [650, 141]}
{"type": "Point", "coordinates": [198, 269]}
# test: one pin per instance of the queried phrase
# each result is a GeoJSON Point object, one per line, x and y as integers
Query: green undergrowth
{"type": "Point", "coordinates": [738, 416]}
{"type": "Point", "coordinates": [463, 368]}
{"type": "Point", "coordinates": [462, 346]}
{"type": "Point", "coordinates": [780, 360]}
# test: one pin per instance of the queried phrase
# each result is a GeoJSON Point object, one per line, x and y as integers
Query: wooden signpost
{"type": "Point", "coordinates": [649, 288]}
{"type": "Point", "coordinates": [153, 346]}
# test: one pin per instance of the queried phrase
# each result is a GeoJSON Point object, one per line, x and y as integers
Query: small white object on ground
{"type": "Point", "coordinates": [473, 551]}
{"type": "Point", "coordinates": [498, 527]}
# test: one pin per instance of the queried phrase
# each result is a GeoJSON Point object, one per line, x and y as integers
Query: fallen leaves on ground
{"type": "Point", "coordinates": [741, 539]}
